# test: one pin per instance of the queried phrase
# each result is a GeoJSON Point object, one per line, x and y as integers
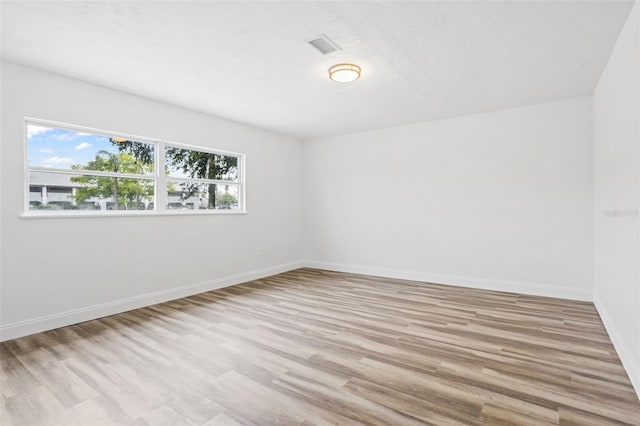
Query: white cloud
{"type": "Point", "coordinates": [56, 161]}
{"type": "Point", "coordinates": [63, 137]}
{"type": "Point", "coordinates": [82, 145]}
{"type": "Point", "coordinates": [46, 151]}
{"type": "Point", "coordinates": [34, 130]}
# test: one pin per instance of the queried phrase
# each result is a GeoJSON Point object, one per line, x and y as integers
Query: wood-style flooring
{"type": "Point", "coordinates": [312, 347]}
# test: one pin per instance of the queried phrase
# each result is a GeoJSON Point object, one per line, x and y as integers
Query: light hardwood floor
{"type": "Point", "coordinates": [316, 347]}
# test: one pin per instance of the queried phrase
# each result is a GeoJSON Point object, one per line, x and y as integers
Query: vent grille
{"type": "Point", "coordinates": [324, 45]}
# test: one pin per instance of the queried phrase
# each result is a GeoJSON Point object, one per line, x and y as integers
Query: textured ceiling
{"type": "Point", "coordinates": [249, 61]}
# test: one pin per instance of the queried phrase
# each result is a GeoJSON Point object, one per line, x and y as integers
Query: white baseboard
{"type": "Point", "coordinates": [535, 289]}
{"type": "Point", "coordinates": [49, 322]}
{"type": "Point", "coordinates": [624, 352]}
{"type": "Point", "coordinates": [63, 319]}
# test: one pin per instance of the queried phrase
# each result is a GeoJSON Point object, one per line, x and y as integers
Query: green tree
{"type": "Point", "coordinates": [123, 190]}
{"type": "Point", "coordinates": [226, 200]}
{"type": "Point", "coordinates": [142, 152]}
{"type": "Point", "coordinates": [202, 165]}
{"type": "Point", "coordinates": [195, 164]}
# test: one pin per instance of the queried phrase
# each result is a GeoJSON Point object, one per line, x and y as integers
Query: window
{"type": "Point", "coordinates": [72, 170]}
{"type": "Point", "coordinates": [200, 179]}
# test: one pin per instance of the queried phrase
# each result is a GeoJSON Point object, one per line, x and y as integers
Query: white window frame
{"type": "Point", "coordinates": [159, 178]}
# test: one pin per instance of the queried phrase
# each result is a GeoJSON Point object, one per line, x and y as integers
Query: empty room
{"type": "Point", "coordinates": [320, 213]}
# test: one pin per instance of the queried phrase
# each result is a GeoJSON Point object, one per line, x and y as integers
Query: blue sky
{"type": "Point", "coordinates": [60, 148]}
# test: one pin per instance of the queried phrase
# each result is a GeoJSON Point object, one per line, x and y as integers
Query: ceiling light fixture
{"type": "Point", "coordinates": [344, 73]}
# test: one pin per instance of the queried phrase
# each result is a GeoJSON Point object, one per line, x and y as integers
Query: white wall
{"type": "Point", "coordinates": [71, 269]}
{"type": "Point", "coordinates": [617, 196]}
{"type": "Point", "coordinates": [503, 200]}
{"type": "Point", "coordinates": [500, 200]}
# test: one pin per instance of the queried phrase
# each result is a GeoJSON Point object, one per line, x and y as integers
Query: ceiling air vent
{"type": "Point", "coordinates": [324, 45]}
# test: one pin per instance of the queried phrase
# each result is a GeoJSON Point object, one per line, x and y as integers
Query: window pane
{"type": "Point", "coordinates": [60, 191]}
{"type": "Point", "coordinates": [75, 150]}
{"type": "Point", "coordinates": [202, 196]}
{"type": "Point", "coordinates": [188, 163]}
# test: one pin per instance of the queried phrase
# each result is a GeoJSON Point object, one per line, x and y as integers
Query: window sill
{"type": "Point", "coordinates": [41, 215]}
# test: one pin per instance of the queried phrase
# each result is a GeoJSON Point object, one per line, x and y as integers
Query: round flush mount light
{"type": "Point", "coordinates": [344, 73]}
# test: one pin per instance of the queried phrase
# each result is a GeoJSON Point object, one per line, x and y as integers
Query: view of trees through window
{"type": "Point", "coordinates": [125, 193]}
{"type": "Point", "coordinates": [74, 170]}
{"type": "Point", "coordinates": [182, 162]}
